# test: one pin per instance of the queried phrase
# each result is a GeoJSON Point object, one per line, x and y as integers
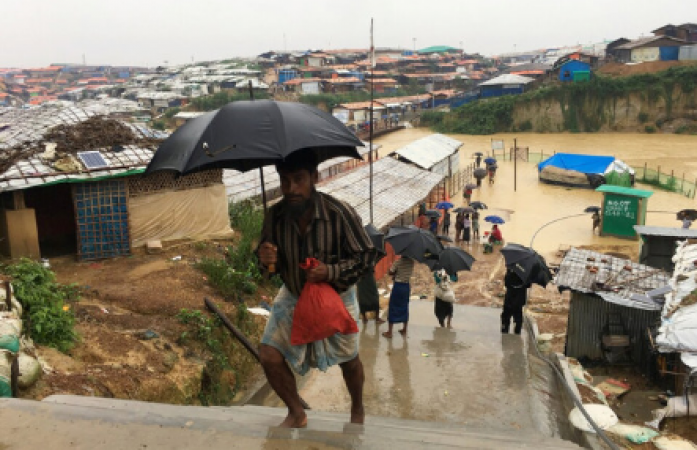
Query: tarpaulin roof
{"type": "Point", "coordinates": [430, 150]}
{"type": "Point", "coordinates": [579, 163]}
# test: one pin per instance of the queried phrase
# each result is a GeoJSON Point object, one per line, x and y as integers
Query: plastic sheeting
{"type": "Point", "coordinates": [583, 163]}
{"type": "Point", "coordinates": [189, 214]}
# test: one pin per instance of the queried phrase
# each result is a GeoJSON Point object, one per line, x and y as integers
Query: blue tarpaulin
{"type": "Point", "coordinates": [589, 164]}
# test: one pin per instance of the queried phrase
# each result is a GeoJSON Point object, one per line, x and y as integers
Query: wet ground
{"type": "Point", "coordinates": [470, 374]}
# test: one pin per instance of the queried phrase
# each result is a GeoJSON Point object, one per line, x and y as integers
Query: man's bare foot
{"type": "Point", "coordinates": [294, 421]}
{"type": "Point", "coordinates": [358, 416]}
{"type": "Point", "coordinates": [379, 321]}
{"type": "Point", "coordinates": [403, 332]}
{"type": "Point", "coordinates": [387, 334]}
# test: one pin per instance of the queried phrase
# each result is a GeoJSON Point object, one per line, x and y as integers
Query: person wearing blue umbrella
{"type": "Point", "coordinates": [446, 222]}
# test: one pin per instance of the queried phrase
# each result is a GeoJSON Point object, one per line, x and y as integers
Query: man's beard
{"type": "Point", "coordinates": [295, 209]}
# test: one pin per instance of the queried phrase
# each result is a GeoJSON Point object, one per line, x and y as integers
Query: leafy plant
{"type": "Point", "coordinates": [50, 319]}
{"type": "Point", "coordinates": [650, 129]}
{"type": "Point", "coordinates": [642, 117]}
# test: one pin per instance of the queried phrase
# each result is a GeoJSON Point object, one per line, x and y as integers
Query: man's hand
{"type": "Point", "coordinates": [268, 254]}
{"type": "Point", "coordinates": [318, 274]}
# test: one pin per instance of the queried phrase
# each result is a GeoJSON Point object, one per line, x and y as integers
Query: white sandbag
{"type": "Point", "coordinates": [603, 416]}
{"type": "Point", "coordinates": [676, 407]}
{"type": "Point", "coordinates": [259, 312]}
{"type": "Point", "coordinates": [673, 443]}
{"type": "Point", "coordinates": [11, 327]}
{"type": "Point", "coordinates": [634, 433]}
{"type": "Point", "coordinates": [29, 369]}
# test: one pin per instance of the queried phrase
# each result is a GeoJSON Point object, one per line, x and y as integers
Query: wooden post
{"type": "Point", "coordinates": [18, 199]}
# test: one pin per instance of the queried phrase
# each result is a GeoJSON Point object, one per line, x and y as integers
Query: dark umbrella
{"type": "Point", "coordinates": [377, 237]}
{"type": "Point", "coordinates": [494, 219]}
{"type": "Point", "coordinates": [444, 238]}
{"type": "Point", "coordinates": [460, 209]}
{"type": "Point", "coordinates": [245, 135]}
{"type": "Point", "coordinates": [471, 186]}
{"type": "Point", "coordinates": [490, 160]}
{"type": "Point", "coordinates": [592, 209]}
{"type": "Point", "coordinates": [478, 154]}
{"type": "Point", "coordinates": [444, 205]}
{"type": "Point", "coordinates": [469, 210]}
{"type": "Point", "coordinates": [432, 213]}
{"type": "Point", "coordinates": [479, 172]}
{"type": "Point", "coordinates": [529, 265]}
{"type": "Point", "coordinates": [453, 260]}
{"type": "Point", "coordinates": [690, 214]}
{"type": "Point", "coordinates": [420, 245]}
{"type": "Point", "coordinates": [478, 205]}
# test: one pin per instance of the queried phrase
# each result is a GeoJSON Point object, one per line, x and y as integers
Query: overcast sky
{"type": "Point", "coordinates": [150, 32]}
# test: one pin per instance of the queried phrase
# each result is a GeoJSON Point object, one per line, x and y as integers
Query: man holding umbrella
{"type": "Point", "coordinates": [306, 224]}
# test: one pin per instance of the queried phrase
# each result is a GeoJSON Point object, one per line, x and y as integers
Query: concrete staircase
{"type": "Point", "coordinates": [62, 422]}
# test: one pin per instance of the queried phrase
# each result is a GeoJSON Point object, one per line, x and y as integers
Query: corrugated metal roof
{"type": "Point", "coordinates": [684, 233]}
{"type": "Point", "coordinates": [612, 282]}
{"type": "Point", "coordinates": [397, 187]}
{"type": "Point", "coordinates": [430, 150]}
{"type": "Point", "coordinates": [243, 185]}
{"type": "Point", "coordinates": [508, 79]}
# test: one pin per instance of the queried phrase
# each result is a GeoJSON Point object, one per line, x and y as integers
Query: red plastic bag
{"type": "Point", "coordinates": [319, 312]}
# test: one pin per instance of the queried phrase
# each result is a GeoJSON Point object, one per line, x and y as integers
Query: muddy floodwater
{"type": "Point", "coordinates": [532, 204]}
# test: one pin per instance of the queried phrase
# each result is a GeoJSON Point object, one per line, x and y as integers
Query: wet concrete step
{"type": "Point", "coordinates": [88, 422]}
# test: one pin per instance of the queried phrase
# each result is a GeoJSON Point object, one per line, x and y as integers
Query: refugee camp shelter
{"type": "Point", "coordinates": [507, 84]}
{"type": "Point", "coordinates": [658, 244]}
{"type": "Point", "coordinates": [87, 194]}
{"type": "Point", "coordinates": [575, 70]}
{"type": "Point", "coordinates": [436, 153]}
{"type": "Point", "coordinates": [613, 303]}
{"type": "Point", "coordinates": [622, 209]}
{"type": "Point", "coordinates": [589, 171]}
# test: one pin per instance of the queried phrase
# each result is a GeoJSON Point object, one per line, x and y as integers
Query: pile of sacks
{"type": "Point", "coordinates": [17, 354]}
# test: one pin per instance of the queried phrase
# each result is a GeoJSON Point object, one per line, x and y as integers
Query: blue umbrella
{"type": "Point", "coordinates": [495, 219]}
{"type": "Point", "coordinates": [444, 205]}
{"type": "Point", "coordinates": [490, 160]}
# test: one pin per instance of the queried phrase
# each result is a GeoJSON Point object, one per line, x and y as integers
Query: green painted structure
{"type": "Point", "coordinates": [622, 208]}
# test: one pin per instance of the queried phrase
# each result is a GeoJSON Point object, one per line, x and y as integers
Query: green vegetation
{"type": "Point", "coordinates": [332, 100]}
{"type": "Point", "coordinates": [642, 117]}
{"type": "Point", "coordinates": [650, 129]}
{"type": "Point", "coordinates": [222, 377]}
{"type": "Point", "coordinates": [238, 273]}
{"type": "Point", "coordinates": [47, 313]}
{"type": "Point", "coordinates": [585, 106]}
{"type": "Point", "coordinates": [215, 101]}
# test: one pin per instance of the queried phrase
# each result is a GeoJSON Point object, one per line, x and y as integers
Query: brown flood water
{"type": "Point", "coordinates": [533, 204]}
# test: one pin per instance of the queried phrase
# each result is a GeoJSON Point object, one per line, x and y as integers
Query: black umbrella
{"type": "Point", "coordinates": [442, 238]}
{"type": "Point", "coordinates": [479, 172]}
{"type": "Point", "coordinates": [432, 213]}
{"type": "Point", "coordinates": [471, 186]}
{"type": "Point", "coordinates": [690, 214]}
{"type": "Point", "coordinates": [245, 135]}
{"type": "Point", "coordinates": [525, 262]}
{"type": "Point", "coordinates": [478, 154]}
{"type": "Point", "coordinates": [592, 209]}
{"type": "Point", "coordinates": [377, 237]}
{"type": "Point", "coordinates": [478, 205]}
{"type": "Point", "coordinates": [418, 244]}
{"type": "Point", "coordinates": [453, 260]}
{"type": "Point", "coordinates": [460, 209]}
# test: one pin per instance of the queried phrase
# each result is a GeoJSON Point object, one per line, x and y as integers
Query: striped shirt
{"type": "Point", "coordinates": [335, 236]}
{"type": "Point", "coordinates": [402, 269]}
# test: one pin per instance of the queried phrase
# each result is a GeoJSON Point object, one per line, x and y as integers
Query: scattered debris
{"type": "Point", "coordinates": [613, 388]}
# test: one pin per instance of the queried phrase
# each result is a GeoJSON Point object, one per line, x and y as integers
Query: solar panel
{"type": "Point", "coordinates": [92, 160]}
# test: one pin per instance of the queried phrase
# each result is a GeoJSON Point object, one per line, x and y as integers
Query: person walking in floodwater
{"type": "Point", "coordinates": [491, 170]}
{"type": "Point", "coordinates": [596, 222]}
{"type": "Point", "coordinates": [444, 297]}
{"type": "Point", "coordinates": [459, 225]}
{"type": "Point", "coordinates": [479, 160]}
{"type": "Point", "coordinates": [475, 226]}
{"type": "Point", "coordinates": [513, 302]}
{"type": "Point", "coordinates": [398, 311]}
{"type": "Point", "coordinates": [308, 223]}
{"type": "Point", "coordinates": [446, 222]}
{"type": "Point", "coordinates": [467, 195]}
{"type": "Point", "coordinates": [369, 297]}
{"type": "Point", "coordinates": [466, 228]}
